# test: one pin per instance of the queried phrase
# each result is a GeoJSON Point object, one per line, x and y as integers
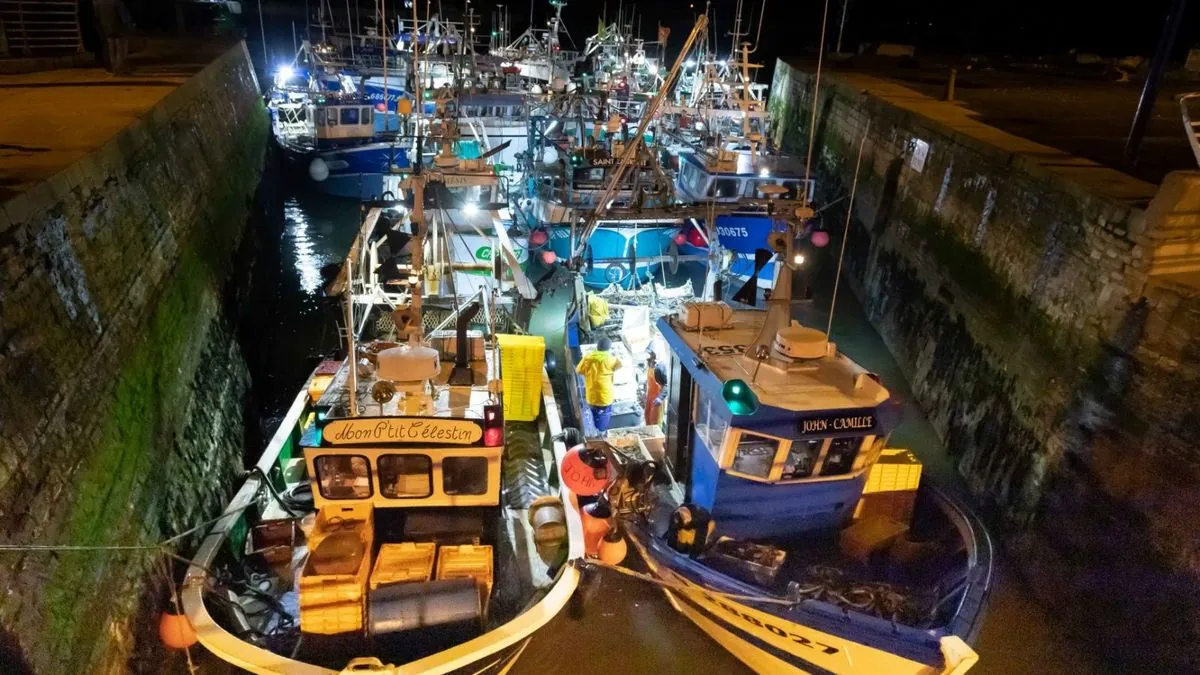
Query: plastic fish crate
{"type": "Point", "coordinates": [896, 504]}
{"type": "Point", "coordinates": [521, 363]}
{"type": "Point", "coordinates": [868, 535]}
{"type": "Point", "coordinates": [398, 563]}
{"type": "Point", "coordinates": [896, 471]}
{"type": "Point", "coordinates": [335, 603]}
{"type": "Point", "coordinates": [466, 561]}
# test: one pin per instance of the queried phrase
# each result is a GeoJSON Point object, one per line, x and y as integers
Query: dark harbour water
{"type": "Point", "coordinates": [627, 627]}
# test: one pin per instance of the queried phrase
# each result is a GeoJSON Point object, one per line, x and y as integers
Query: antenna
{"type": "Point", "coordinates": [812, 124]}
{"type": "Point", "coordinates": [762, 11]}
{"type": "Point", "coordinates": [846, 231]}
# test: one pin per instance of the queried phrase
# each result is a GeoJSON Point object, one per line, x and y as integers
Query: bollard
{"type": "Point", "coordinates": [950, 85]}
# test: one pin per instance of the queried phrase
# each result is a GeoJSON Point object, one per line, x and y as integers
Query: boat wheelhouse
{"type": "Point", "coordinates": [730, 175]}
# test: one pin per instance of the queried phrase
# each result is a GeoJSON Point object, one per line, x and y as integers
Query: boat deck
{"type": "Point", "coordinates": [523, 569]}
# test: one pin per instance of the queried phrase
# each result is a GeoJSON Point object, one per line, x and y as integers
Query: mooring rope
{"type": "Point", "coordinates": [584, 562]}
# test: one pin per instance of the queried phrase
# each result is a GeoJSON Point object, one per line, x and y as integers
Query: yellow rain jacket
{"type": "Point", "coordinates": [597, 369]}
{"type": "Point", "coordinates": [597, 310]}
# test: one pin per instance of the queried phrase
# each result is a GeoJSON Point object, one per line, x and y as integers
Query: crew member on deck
{"type": "Point", "coordinates": [656, 389]}
{"type": "Point", "coordinates": [597, 369]}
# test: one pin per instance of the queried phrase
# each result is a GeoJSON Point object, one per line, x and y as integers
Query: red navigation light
{"type": "Point", "coordinates": [493, 425]}
{"type": "Point", "coordinates": [680, 239]}
{"type": "Point", "coordinates": [538, 237]}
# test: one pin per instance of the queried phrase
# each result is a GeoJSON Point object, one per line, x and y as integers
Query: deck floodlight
{"type": "Point", "coordinates": [739, 397]}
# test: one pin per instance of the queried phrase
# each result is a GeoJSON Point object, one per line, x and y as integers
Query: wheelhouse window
{"type": "Point", "coordinates": [349, 115]}
{"type": "Point", "coordinates": [752, 186]}
{"type": "Point", "coordinates": [365, 115]}
{"type": "Point", "coordinates": [343, 476]}
{"type": "Point", "coordinates": [802, 459]}
{"type": "Point", "coordinates": [725, 188]}
{"type": "Point", "coordinates": [693, 178]}
{"type": "Point", "coordinates": [793, 189]}
{"type": "Point", "coordinates": [320, 117]}
{"type": "Point", "coordinates": [465, 475]}
{"type": "Point", "coordinates": [710, 426]}
{"type": "Point", "coordinates": [840, 458]}
{"type": "Point", "coordinates": [405, 476]}
{"type": "Point", "coordinates": [754, 455]}
{"type": "Point", "coordinates": [332, 115]}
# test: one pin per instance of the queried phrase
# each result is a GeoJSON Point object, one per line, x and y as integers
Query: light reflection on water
{"type": "Point", "coordinates": [304, 236]}
{"type": "Point", "coordinates": [295, 321]}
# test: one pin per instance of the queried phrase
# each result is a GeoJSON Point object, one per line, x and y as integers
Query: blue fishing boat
{"type": "Point", "coordinates": [730, 176]}
{"type": "Point", "coordinates": [773, 512]}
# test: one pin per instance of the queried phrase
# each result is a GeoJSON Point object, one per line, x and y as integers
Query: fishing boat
{"type": "Point", "coordinates": [607, 176]}
{"type": "Point", "coordinates": [772, 511]}
{"type": "Point", "coordinates": [405, 517]}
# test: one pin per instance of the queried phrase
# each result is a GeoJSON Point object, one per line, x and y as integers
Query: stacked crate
{"type": "Point", "coordinates": [335, 602]}
{"type": "Point", "coordinates": [467, 562]}
{"type": "Point", "coordinates": [891, 489]}
{"type": "Point", "coordinates": [521, 359]}
{"type": "Point", "coordinates": [402, 563]}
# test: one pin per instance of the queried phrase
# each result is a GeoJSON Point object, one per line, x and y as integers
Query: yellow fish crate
{"type": "Point", "coordinates": [897, 470]}
{"type": "Point", "coordinates": [521, 363]}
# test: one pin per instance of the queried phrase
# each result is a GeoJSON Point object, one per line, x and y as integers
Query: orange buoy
{"type": "Point", "coordinates": [585, 471]}
{"type": "Point", "coordinates": [595, 525]}
{"type": "Point", "coordinates": [176, 631]}
{"type": "Point", "coordinates": [613, 547]}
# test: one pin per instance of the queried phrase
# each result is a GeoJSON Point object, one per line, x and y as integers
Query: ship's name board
{"type": "Point", "coordinates": [366, 430]}
{"type": "Point", "coordinates": [819, 425]}
{"type": "Point", "coordinates": [604, 161]}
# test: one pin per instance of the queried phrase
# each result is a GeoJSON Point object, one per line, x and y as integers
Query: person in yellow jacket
{"type": "Point", "coordinates": [597, 369]}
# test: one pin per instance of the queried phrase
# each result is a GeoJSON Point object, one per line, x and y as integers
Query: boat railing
{"type": "Point", "coordinates": [577, 198]}
{"type": "Point", "coordinates": [977, 582]}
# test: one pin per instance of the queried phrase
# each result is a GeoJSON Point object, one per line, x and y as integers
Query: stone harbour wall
{"type": "Point", "coordinates": [122, 381]}
{"type": "Point", "coordinates": [1056, 358]}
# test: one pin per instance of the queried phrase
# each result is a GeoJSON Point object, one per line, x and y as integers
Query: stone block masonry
{"type": "Point", "coordinates": [1046, 311]}
{"type": "Point", "coordinates": [121, 379]}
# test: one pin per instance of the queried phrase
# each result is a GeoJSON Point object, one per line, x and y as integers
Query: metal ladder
{"type": "Point", "coordinates": [39, 27]}
{"type": "Point", "coordinates": [1187, 102]}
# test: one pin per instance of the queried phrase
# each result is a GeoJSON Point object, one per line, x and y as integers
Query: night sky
{"type": "Point", "coordinates": [792, 27]}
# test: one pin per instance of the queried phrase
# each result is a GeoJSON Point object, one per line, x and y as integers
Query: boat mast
{"type": "Point", "coordinates": [779, 304]}
{"type": "Point", "coordinates": [383, 39]}
{"type": "Point", "coordinates": [633, 145]}
{"type": "Point", "coordinates": [416, 61]}
{"type": "Point", "coordinates": [351, 361]}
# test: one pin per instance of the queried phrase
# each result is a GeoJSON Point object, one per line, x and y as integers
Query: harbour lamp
{"type": "Point", "coordinates": [470, 208]}
{"type": "Point", "coordinates": [283, 74]}
{"type": "Point", "coordinates": [739, 397]}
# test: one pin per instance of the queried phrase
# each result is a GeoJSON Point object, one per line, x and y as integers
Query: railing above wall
{"type": "Point", "coordinates": [39, 27]}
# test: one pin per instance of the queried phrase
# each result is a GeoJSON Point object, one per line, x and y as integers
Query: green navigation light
{"type": "Point", "coordinates": [739, 397]}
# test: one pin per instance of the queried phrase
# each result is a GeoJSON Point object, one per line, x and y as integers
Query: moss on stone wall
{"type": "Point", "coordinates": [124, 481]}
{"type": "Point", "coordinates": [970, 270]}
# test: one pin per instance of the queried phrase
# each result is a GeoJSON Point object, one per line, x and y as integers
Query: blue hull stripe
{"type": "Point", "coordinates": [756, 642]}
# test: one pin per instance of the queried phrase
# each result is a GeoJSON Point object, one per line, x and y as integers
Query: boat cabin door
{"type": "Point", "coordinates": [679, 422]}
